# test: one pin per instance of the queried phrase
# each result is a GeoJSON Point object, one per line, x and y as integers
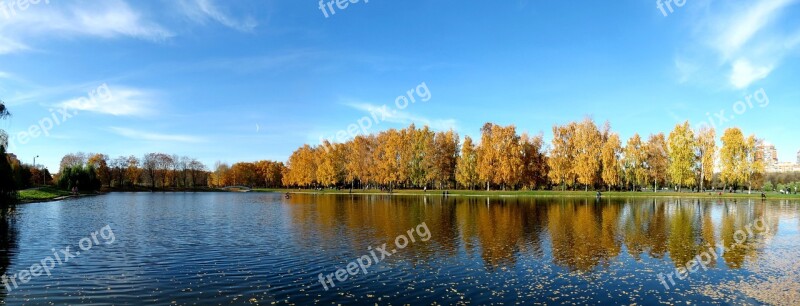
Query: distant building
{"type": "Point", "coordinates": [798, 157]}
{"type": "Point", "coordinates": [770, 154]}
{"type": "Point", "coordinates": [784, 167]}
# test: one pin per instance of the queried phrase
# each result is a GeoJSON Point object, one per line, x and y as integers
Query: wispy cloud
{"type": "Point", "coordinates": [123, 101]}
{"type": "Point", "coordinates": [402, 117]}
{"type": "Point", "coordinates": [158, 137]}
{"type": "Point", "coordinates": [202, 11]}
{"type": "Point", "coordinates": [743, 38]}
{"type": "Point", "coordinates": [739, 28]}
{"type": "Point", "coordinates": [104, 19]}
{"type": "Point", "coordinates": [10, 46]}
{"type": "Point", "coordinates": [745, 73]}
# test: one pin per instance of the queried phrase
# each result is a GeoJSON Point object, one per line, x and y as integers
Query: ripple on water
{"type": "Point", "coordinates": [229, 248]}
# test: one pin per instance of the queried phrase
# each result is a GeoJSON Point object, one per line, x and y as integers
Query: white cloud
{"type": "Point", "coordinates": [743, 40]}
{"type": "Point", "coordinates": [740, 27]}
{"type": "Point", "coordinates": [148, 136]}
{"type": "Point", "coordinates": [394, 115]}
{"type": "Point", "coordinates": [744, 73]}
{"type": "Point", "coordinates": [202, 11]}
{"type": "Point", "coordinates": [104, 19]}
{"type": "Point", "coordinates": [9, 46]}
{"type": "Point", "coordinates": [121, 101]}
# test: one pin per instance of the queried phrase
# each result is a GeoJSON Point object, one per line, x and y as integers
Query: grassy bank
{"type": "Point", "coordinates": [41, 194]}
{"type": "Point", "coordinates": [592, 194]}
{"type": "Point", "coordinates": [48, 193]}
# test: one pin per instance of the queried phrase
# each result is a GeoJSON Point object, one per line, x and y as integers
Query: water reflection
{"type": "Point", "coordinates": [579, 234]}
{"type": "Point", "coordinates": [8, 244]}
{"type": "Point", "coordinates": [231, 248]}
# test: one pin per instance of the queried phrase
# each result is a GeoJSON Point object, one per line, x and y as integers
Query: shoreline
{"type": "Point", "coordinates": [540, 194]}
{"type": "Point", "coordinates": [454, 193]}
{"type": "Point", "coordinates": [59, 198]}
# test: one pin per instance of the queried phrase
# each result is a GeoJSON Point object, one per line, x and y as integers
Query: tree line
{"type": "Point", "coordinates": [264, 174]}
{"type": "Point", "coordinates": [581, 156]}
{"type": "Point", "coordinates": [154, 170]}
{"type": "Point", "coordinates": [162, 171]}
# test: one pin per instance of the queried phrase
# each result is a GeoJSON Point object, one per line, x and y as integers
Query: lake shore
{"type": "Point", "coordinates": [576, 194]}
{"type": "Point", "coordinates": [47, 194]}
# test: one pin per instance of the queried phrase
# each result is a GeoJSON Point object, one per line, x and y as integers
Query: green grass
{"type": "Point", "coordinates": [591, 194]}
{"type": "Point", "coordinates": [41, 194]}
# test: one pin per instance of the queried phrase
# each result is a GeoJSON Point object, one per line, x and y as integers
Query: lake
{"type": "Point", "coordinates": [262, 248]}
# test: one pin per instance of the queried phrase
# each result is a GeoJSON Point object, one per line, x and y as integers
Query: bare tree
{"type": "Point", "coordinates": [4, 113]}
{"type": "Point", "coordinates": [150, 167]}
{"type": "Point", "coordinates": [196, 169]}
{"type": "Point", "coordinates": [73, 160]}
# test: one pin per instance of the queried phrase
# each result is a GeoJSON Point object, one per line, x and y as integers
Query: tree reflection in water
{"type": "Point", "coordinates": [582, 234]}
{"type": "Point", "coordinates": [8, 243]}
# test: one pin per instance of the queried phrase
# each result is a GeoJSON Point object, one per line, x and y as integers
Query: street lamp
{"type": "Point", "coordinates": [34, 167]}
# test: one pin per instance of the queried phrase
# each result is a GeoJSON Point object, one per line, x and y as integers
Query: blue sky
{"type": "Point", "coordinates": [250, 80]}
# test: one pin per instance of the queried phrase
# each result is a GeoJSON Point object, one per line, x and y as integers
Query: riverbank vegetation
{"type": "Point", "coordinates": [533, 193]}
{"type": "Point", "coordinates": [154, 171]}
{"type": "Point", "coordinates": [581, 156]}
{"type": "Point", "coordinates": [41, 194]}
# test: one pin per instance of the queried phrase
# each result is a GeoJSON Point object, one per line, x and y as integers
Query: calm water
{"type": "Point", "coordinates": [229, 248]}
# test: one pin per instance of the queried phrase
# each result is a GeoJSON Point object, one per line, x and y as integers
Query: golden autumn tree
{"type": "Point", "coordinates": [610, 157]}
{"type": "Point", "coordinates": [534, 161]}
{"type": "Point", "coordinates": [216, 179]}
{"type": "Point", "coordinates": [657, 160]}
{"type": "Point", "coordinates": [330, 164]}
{"type": "Point", "coordinates": [359, 159]}
{"type": "Point", "coordinates": [421, 147]}
{"type": "Point", "coordinates": [387, 155]}
{"type": "Point", "coordinates": [405, 156]}
{"type": "Point", "coordinates": [467, 165]}
{"type": "Point", "coordinates": [705, 153]}
{"type": "Point", "coordinates": [732, 158]}
{"type": "Point", "coordinates": [562, 155]}
{"type": "Point", "coordinates": [487, 159]}
{"type": "Point", "coordinates": [302, 168]}
{"type": "Point", "coordinates": [634, 162]}
{"type": "Point", "coordinates": [134, 172]}
{"type": "Point", "coordinates": [754, 168]}
{"type": "Point", "coordinates": [587, 148]}
{"type": "Point", "coordinates": [441, 157]}
{"type": "Point", "coordinates": [100, 164]}
{"type": "Point", "coordinates": [244, 174]}
{"type": "Point", "coordinates": [500, 156]}
{"type": "Point", "coordinates": [682, 155]}
{"type": "Point", "coordinates": [268, 172]}
{"type": "Point", "coordinates": [509, 151]}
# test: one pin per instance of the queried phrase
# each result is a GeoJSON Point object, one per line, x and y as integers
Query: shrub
{"type": "Point", "coordinates": [83, 177]}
